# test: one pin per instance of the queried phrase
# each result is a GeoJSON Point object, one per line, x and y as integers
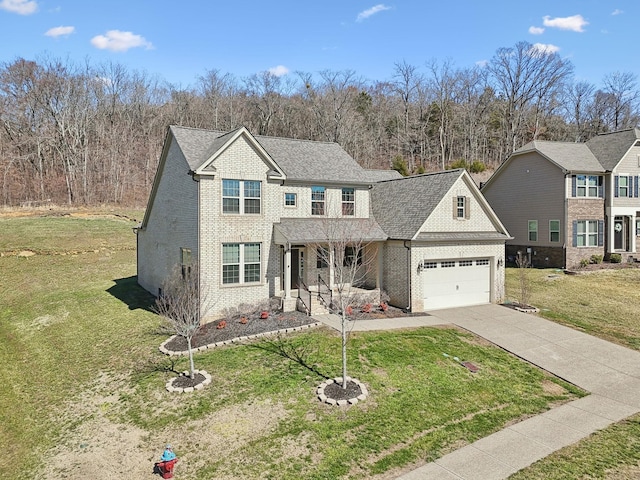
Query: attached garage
{"type": "Point", "coordinates": [456, 283]}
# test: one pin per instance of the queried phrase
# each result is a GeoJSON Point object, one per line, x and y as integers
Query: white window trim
{"type": "Point", "coordinates": [530, 231]}
{"type": "Point", "coordinates": [241, 198]}
{"type": "Point", "coordinates": [587, 234]}
{"type": "Point", "coordinates": [554, 231]}
{"type": "Point", "coordinates": [295, 200]}
{"type": "Point", "coordinates": [241, 265]}
{"type": "Point", "coordinates": [587, 187]}
{"type": "Point", "coordinates": [348, 202]}
{"type": "Point", "coordinates": [323, 201]}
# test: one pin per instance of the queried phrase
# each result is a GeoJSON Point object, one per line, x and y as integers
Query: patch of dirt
{"type": "Point", "coordinates": [598, 267]}
{"type": "Point", "coordinates": [97, 446]}
{"type": "Point", "coordinates": [185, 381]}
{"type": "Point", "coordinates": [553, 388]}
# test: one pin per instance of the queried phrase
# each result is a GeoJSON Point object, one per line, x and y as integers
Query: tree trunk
{"type": "Point", "coordinates": [192, 368]}
{"type": "Point", "coordinates": [344, 350]}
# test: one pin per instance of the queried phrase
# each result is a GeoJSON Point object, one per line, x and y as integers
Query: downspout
{"type": "Point", "coordinates": [409, 273]}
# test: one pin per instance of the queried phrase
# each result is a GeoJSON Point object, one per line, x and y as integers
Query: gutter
{"type": "Point", "coordinates": [409, 272]}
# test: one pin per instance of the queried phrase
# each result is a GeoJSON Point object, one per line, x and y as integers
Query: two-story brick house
{"type": "Point", "coordinates": [564, 202]}
{"type": "Point", "coordinates": [249, 208]}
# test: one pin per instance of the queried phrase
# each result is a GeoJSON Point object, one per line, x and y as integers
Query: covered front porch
{"type": "Point", "coordinates": [322, 259]}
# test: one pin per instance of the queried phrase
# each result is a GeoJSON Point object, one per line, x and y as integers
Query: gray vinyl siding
{"type": "Point", "coordinates": [628, 166]}
{"type": "Point", "coordinates": [530, 188]}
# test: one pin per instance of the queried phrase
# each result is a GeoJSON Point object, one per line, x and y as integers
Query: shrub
{"type": "Point", "coordinates": [366, 308]}
{"type": "Point", "coordinates": [399, 164]}
{"type": "Point", "coordinates": [264, 315]}
{"type": "Point", "coordinates": [383, 306]}
{"type": "Point", "coordinates": [477, 166]}
{"type": "Point", "coordinates": [221, 324]}
{"type": "Point", "coordinates": [243, 320]}
{"type": "Point", "coordinates": [460, 163]}
{"type": "Point", "coordinates": [349, 310]}
{"type": "Point", "coordinates": [615, 258]}
{"type": "Point", "coordinates": [595, 259]}
{"type": "Point", "coordinates": [584, 262]}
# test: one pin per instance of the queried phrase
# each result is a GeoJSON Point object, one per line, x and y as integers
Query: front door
{"type": "Point", "coordinates": [619, 233]}
{"type": "Point", "coordinates": [296, 272]}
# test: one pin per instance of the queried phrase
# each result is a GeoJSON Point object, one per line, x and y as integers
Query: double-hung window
{"type": "Point", "coordinates": [241, 197]}
{"type": "Point", "coordinates": [317, 200]}
{"type": "Point", "coordinates": [587, 186]}
{"type": "Point", "coordinates": [533, 230]}
{"type": "Point", "coordinates": [587, 233]}
{"type": "Point", "coordinates": [240, 263]}
{"type": "Point", "coordinates": [461, 207]}
{"type": "Point", "coordinates": [554, 230]}
{"type": "Point", "coordinates": [348, 201]}
{"type": "Point", "coordinates": [353, 256]}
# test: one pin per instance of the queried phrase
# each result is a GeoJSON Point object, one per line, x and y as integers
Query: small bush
{"type": "Point", "coordinates": [615, 258]}
{"type": "Point", "coordinates": [366, 308]}
{"type": "Point", "coordinates": [222, 324]}
{"type": "Point", "coordinates": [460, 163]}
{"type": "Point", "coordinates": [477, 166]}
{"type": "Point", "coordinates": [584, 262]}
{"type": "Point", "coordinates": [596, 259]}
{"type": "Point", "coordinates": [383, 306]}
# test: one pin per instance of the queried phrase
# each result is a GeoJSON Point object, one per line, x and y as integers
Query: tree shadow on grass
{"type": "Point", "coordinates": [129, 292]}
{"type": "Point", "coordinates": [300, 353]}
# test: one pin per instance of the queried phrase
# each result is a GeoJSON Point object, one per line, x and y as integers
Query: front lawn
{"type": "Point", "coordinates": [83, 380]}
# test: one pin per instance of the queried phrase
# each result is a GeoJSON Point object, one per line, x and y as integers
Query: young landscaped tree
{"type": "Point", "coordinates": [349, 255]}
{"type": "Point", "coordinates": [183, 303]}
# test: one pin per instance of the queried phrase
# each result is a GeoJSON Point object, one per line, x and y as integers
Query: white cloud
{"type": "Point", "coordinates": [118, 41]}
{"type": "Point", "coordinates": [545, 48]}
{"type": "Point", "coordinates": [371, 11]}
{"type": "Point", "coordinates": [482, 63]}
{"type": "Point", "coordinates": [278, 71]}
{"type": "Point", "coordinates": [59, 31]}
{"type": "Point", "coordinates": [617, 11]}
{"type": "Point", "coordinates": [22, 7]}
{"type": "Point", "coordinates": [574, 23]}
{"type": "Point", "coordinates": [536, 30]}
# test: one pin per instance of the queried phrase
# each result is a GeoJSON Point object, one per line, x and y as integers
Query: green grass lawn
{"type": "Point", "coordinates": [78, 346]}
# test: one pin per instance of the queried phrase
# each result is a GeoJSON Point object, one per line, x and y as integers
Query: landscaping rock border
{"type": "Point", "coordinates": [199, 386]}
{"type": "Point", "coordinates": [341, 403]}
{"type": "Point", "coordinates": [202, 348]}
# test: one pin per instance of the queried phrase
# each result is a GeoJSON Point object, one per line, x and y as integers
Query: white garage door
{"type": "Point", "coordinates": [456, 283]}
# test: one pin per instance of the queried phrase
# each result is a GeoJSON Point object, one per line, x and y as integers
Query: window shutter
{"type": "Point", "coordinates": [467, 208]}
{"type": "Point", "coordinates": [635, 187]}
{"type": "Point", "coordinates": [574, 188]}
{"type": "Point", "coordinates": [575, 233]}
{"type": "Point", "coordinates": [455, 207]}
{"type": "Point", "coordinates": [631, 186]}
{"type": "Point", "coordinates": [615, 188]}
{"type": "Point", "coordinates": [600, 188]}
{"type": "Point", "coordinates": [600, 233]}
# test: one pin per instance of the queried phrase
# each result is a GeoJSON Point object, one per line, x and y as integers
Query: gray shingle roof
{"type": "Point", "coordinates": [402, 206]}
{"type": "Point", "coordinates": [609, 148]}
{"type": "Point", "coordinates": [317, 230]}
{"type": "Point", "coordinates": [569, 156]}
{"type": "Point", "coordinates": [301, 160]}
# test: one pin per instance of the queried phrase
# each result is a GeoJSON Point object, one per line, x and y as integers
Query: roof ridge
{"type": "Point", "coordinates": [427, 174]}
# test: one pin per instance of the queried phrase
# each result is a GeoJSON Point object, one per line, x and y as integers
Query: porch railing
{"type": "Point", "coordinates": [304, 295]}
{"type": "Point", "coordinates": [325, 294]}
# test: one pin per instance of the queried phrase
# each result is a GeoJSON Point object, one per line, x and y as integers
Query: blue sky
{"type": "Point", "coordinates": [181, 40]}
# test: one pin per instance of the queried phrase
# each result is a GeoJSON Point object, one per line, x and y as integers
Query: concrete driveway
{"type": "Point", "coordinates": [610, 372]}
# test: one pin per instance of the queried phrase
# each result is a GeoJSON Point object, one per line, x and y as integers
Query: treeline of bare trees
{"type": "Point", "coordinates": [86, 134]}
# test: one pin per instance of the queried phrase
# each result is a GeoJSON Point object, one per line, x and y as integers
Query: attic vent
{"type": "Point", "coordinates": [637, 144]}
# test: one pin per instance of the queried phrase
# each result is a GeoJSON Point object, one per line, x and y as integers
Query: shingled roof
{"type": "Point", "coordinates": [609, 148]}
{"type": "Point", "coordinates": [568, 156]}
{"type": "Point", "coordinates": [300, 160]}
{"type": "Point", "coordinates": [401, 206]}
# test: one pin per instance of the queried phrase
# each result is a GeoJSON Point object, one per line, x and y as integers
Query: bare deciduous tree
{"type": "Point", "coordinates": [183, 303]}
{"type": "Point", "coordinates": [350, 255]}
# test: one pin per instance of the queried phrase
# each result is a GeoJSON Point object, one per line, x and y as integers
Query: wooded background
{"type": "Point", "coordinates": [88, 134]}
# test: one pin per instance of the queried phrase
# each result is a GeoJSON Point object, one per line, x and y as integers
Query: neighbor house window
{"type": "Point", "coordinates": [290, 199]}
{"type": "Point", "coordinates": [554, 230]}
{"type": "Point", "coordinates": [348, 201]}
{"type": "Point", "coordinates": [240, 263]}
{"type": "Point", "coordinates": [533, 230]}
{"type": "Point", "coordinates": [637, 227]}
{"type": "Point", "coordinates": [586, 233]}
{"type": "Point", "coordinates": [185, 261]}
{"type": "Point", "coordinates": [317, 200]}
{"type": "Point", "coordinates": [241, 196]}
{"type": "Point", "coordinates": [587, 186]}
{"type": "Point", "coordinates": [625, 186]}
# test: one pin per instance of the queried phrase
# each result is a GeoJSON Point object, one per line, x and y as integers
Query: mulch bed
{"type": "Point", "coordinates": [184, 381]}
{"type": "Point", "coordinates": [336, 391]}
{"type": "Point", "coordinates": [210, 333]}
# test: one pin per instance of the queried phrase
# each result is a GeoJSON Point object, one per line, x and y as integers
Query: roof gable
{"type": "Point", "coordinates": [610, 148]}
{"type": "Point", "coordinates": [401, 206]}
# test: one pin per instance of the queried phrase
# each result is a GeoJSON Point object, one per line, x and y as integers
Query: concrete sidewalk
{"type": "Point", "coordinates": [610, 372]}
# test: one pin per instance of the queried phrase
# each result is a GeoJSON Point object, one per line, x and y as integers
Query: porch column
{"type": "Point", "coordinates": [332, 272]}
{"type": "Point", "coordinates": [379, 265]}
{"type": "Point", "coordinates": [287, 273]}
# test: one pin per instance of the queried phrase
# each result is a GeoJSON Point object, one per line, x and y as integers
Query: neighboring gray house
{"type": "Point", "coordinates": [248, 208]}
{"type": "Point", "coordinates": [564, 202]}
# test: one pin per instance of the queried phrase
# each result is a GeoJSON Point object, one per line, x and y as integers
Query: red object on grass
{"type": "Point", "coordinates": [166, 468]}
